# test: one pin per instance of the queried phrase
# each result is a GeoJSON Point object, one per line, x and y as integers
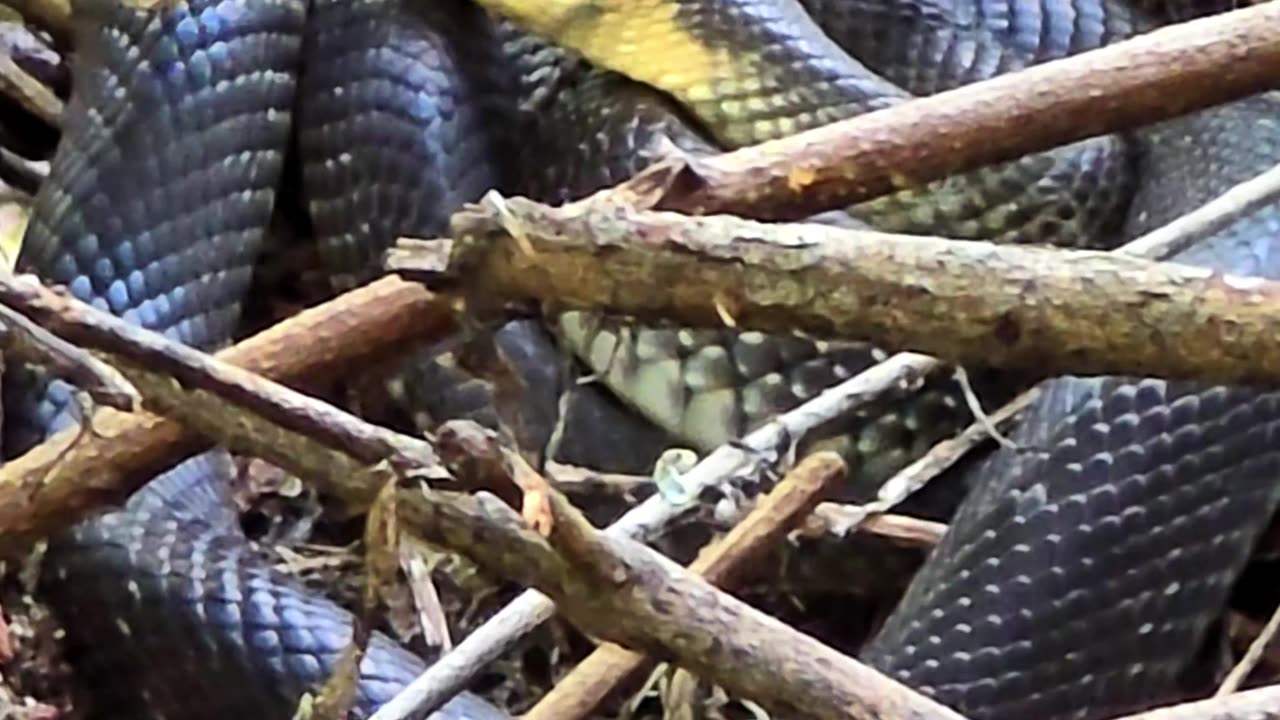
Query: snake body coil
{"type": "Point", "coordinates": [1078, 579]}
{"type": "Point", "coordinates": [155, 210]}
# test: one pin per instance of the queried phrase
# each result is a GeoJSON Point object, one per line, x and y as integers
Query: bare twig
{"type": "Point", "coordinates": [1242, 630]}
{"type": "Point", "coordinates": [945, 454]}
{"type": "Point", "coordinates": [126, 449]}
{"type": "Point", "coordinates": [840, 519]}
{"type": "Point", "coordinates": [578, 694]}
{"type": "Point", "coordinates": [1234, 679]}
{"type": "Point", "coordinates": [236, 408]}
{"type": "Point", "coordinates": [28, 342]}
{"type": "Point", "coordinates": [152, 359]}
{"type": "Point", "coordinates": [1214, 216]}
{"type": "Point", "coordinates": [1260, 704]}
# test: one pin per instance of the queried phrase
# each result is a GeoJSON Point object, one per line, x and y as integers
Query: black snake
{"type": "Point", "coordinates": [1077, 581]}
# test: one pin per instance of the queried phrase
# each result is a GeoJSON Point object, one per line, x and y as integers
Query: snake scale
{"type": "Point", "coordinates": [1079, 577]}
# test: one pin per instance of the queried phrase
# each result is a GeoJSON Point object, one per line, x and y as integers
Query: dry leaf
{"type": "Point", "coordinates": [415, 560]}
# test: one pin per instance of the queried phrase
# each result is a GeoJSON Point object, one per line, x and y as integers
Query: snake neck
{"type": "Point", "coordinates": [750, 71]}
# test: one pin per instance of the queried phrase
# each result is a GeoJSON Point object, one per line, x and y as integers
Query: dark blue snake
{"type": "Point", "coordinates": [1076, 581]}
{"type": "Point", "coordinates": [157, 208]}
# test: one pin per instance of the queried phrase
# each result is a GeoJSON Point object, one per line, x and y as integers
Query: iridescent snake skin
{"type": "Point", "coordinates": [1078, 579]}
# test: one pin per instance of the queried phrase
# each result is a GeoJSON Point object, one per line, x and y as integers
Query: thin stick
{"type": "Point", "coordinates": [1156, 76]}
{"type": "Point", "coordinates": [1259, 704]}
{"type": "Point", "coordinates": [26, 341]}
{"type": "Point", "coordinates": [126, 449]}
{"type": "Point", "coordinates": [840, 519]}
{"type": "Point", "coordinates": [1251, 658]}
{"type": "Point", "coordinates": [1214, 216]}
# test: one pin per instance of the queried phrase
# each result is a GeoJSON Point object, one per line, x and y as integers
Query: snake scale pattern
{"type": "Point", "coordinates": [1078, 579]}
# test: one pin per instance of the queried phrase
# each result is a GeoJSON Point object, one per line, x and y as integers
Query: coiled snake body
{"type": "Point", "coordinates": [1078, 579]}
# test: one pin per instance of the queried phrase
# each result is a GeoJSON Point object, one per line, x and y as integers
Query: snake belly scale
{"type": "Point", "coordinates": [1073, 582]}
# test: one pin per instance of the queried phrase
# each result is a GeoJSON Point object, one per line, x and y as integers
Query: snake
{"type": "Point", "coordinates": [1078, 578]}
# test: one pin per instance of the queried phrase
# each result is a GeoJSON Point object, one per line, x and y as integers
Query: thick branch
{"type": "Point", "coordinates": [976, 303]}
{"type": "Point", "coordinates": [125, 450]}
{"type": "Point", "coordinates": [578, 693]}
{"type": "Point", "coordinates": [1160, 75]}
{"type": "Point", "coordinates": [624, 592]}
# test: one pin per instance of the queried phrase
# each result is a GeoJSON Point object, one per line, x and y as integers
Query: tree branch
{"type": "Point", "coordinates": [532, 608]}
{"type": "Point", "coordinates": [622, 591]}
{"type": "Point", "coordinates": [578, 693]}
{"type": "Point", "coordinates": [24, 340]}
{"type": "Point", "coordinates": [1156, 76]}
{"type": "Point", "coordinates": [74, 474]}
{"type": "Point", "coordinates": [972, 303]}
